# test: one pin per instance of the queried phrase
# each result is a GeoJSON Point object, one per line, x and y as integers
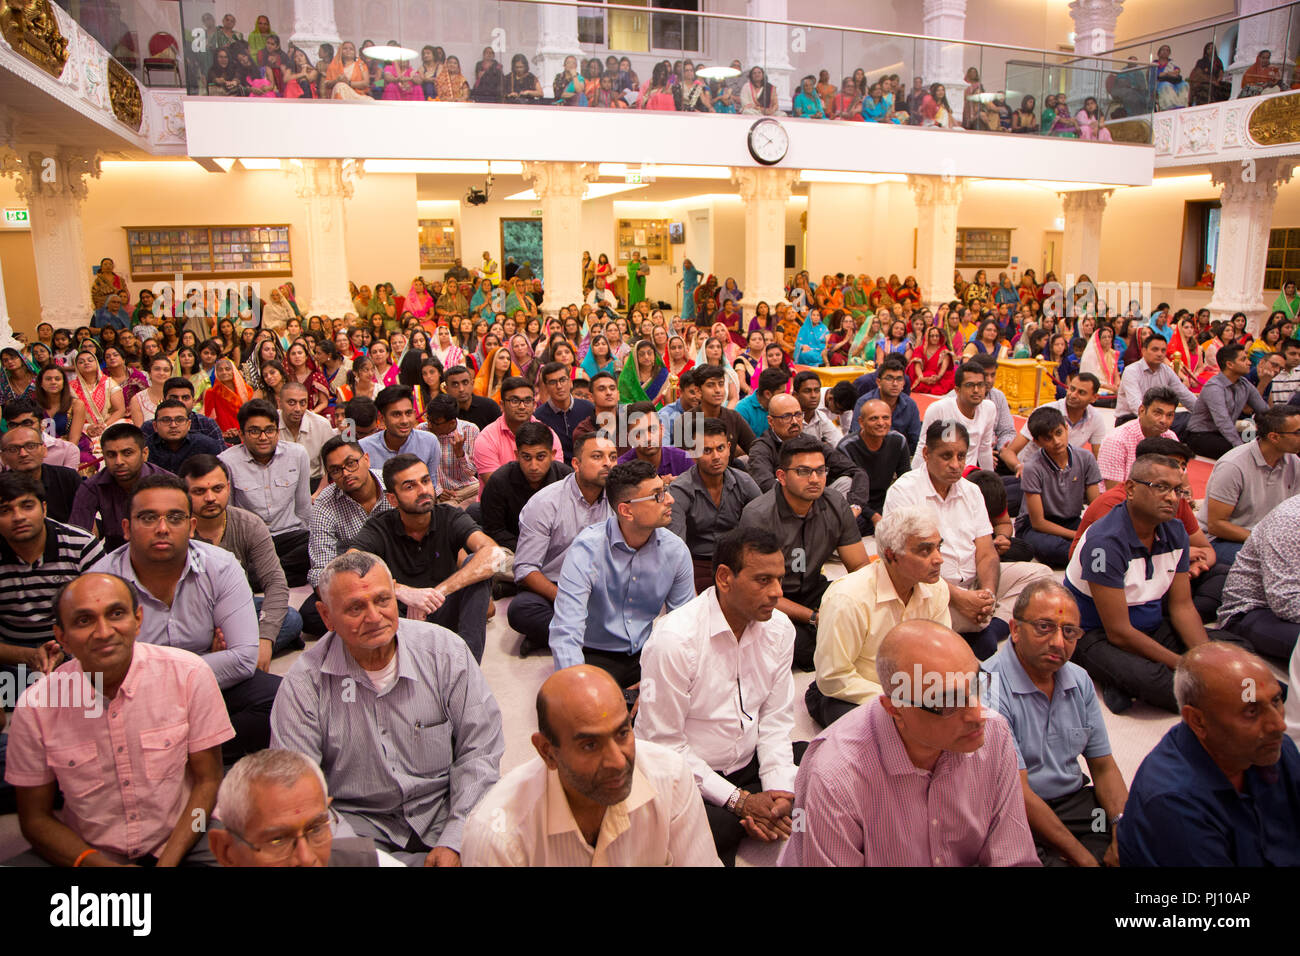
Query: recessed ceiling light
{"type": "Point", "coordinates": [718, 72]}
{"type": "Point", "coordinates": [388, 53]}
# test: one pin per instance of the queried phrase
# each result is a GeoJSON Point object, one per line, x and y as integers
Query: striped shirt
{"type": "Point", "coordinates": [335, 519]}
{"type": "Point", "coordinates": [457, 473]}
{"type": "Point", "coordinates": [1119, 450]}
{"type": "Point", "coordinates": [865, 803]}
{"type": "Point", "coordinates": [27, 590]}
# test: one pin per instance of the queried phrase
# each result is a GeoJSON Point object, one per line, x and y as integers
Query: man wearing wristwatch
{"type": "Point", "coordinates": [717, 688]}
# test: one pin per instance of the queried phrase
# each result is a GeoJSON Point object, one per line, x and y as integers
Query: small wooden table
{"type": "Point", "coordinates": [832, 375]}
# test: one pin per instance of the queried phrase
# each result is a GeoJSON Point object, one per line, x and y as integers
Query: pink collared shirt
{"type": "Point", "coordinates": [121, 764]}
{"type": "Point", "coordinates": [865, 803]}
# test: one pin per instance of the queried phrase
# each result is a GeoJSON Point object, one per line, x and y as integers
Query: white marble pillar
{"type": "Point", "coordinates": [560, 187]}
{"type": "Point", "coordinates": [52, 181]}
{"type": "Point", "coordinates": [1094, 32]}
{"type": "Point", "coordinates": [557, 31]}
{"type": "Point", "coordinates": [325, 185]}
{"type": "Point", "coordinates": [1081, 242]}
{"type": "Point", "coordinates": [947, 63]}
{"type": "Point", "coordinates": [768, 45]}
{"type": "Point", "coordinates": [314, 24]}
{"type": "Point", "coordinates": [937, 200]}
{"type": "Point", "coordinates": [764, 192]}
{"type": "Point", "coordinates": [1245, 217]}
{"type": "Point", "coordinates": [1264, 28]}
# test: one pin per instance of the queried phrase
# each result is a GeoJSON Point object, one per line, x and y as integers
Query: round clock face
{"type": "Point", "coordinates": [768, 141]}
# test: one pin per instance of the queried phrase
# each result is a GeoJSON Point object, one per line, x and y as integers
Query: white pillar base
{"type": "Point", "coordinates": [765, 192]}
{"type": "Point", "coordinates": [1245, 219]}
{"type": "Point", "coordinates": [937, 201]}
{"type": "Point", "coordinates": [560, 187]}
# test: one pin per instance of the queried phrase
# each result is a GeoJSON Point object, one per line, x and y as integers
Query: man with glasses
{"type": "Point", "coordinates": [890, 388]}
{"type": "Point", "coordinates": [137, 769]}
{"type": "Point", "coordinates": [27, 413]}
{"type": "Point", "coordinates": [419, 539]}
{"type": "Point", "coordinates": [1252, 479]}
{"type": "Point", "coordinates": [617, 577]}
{"type": "Point", "coordinates": [969, 405]}
{"type": "Point", "coordinates": [105, 495]}
{"type": "Point", "coordinates": [1055, 717]}
{"type": "Point", "coordinates": [182, 389]}
{"type": "Point", "coordinates": [496, 443]}
{"type": "Point", "coordinates": [561, 412]}
{"type": "Point", "coordinates": [24, 453]}
{"type": "Point", "coordinates": [195, 596]}
{"type": "Point", "coordinates": [1129, 575]}
{"type": "Point", "coordinates": [300, 425]}
{"type": "Point", "coordinates": [865, 791]}
{"type": "Point", "coordinates": [173, 440]}
{"type": "Point", "coordinates": [813, 522]}
{"type": "Point", "coordinates": [243, 534]}
{"type": "Point", "coordinates": [273, 810]}
{"type": "Point", "coordinates": [396, 713]}
{"type": "Point", "coordinates": [270, 478]}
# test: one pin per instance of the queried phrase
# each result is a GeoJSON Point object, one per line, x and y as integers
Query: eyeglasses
{"type": "Point", "coordinates": [30, 447]}
{"type": "Point", "coordinates": [961, 698]}
{"type": "Point", "coordinates": [1160, 488]}
{"type": "Point", "coordinates": [785, 418]}
{"type": "Point", "coordinates": [805, 471]}
{"type": "Point", "coordinates": [254, 432]}
{"type": "Point", "coordinates": [317, 834]}
{"type": "Point", "coordinates": [658, 497]}
{"type": "Point", "coordinates": [516, 400]}
{"type": "Point", "coordinates": [171, 420]}
{"type": "Point", "coordinates": [349, 464]}
{"type": "Point", "coordinates": [1044, 628]}
{"type": "Point", "coordinates": [149, 519]}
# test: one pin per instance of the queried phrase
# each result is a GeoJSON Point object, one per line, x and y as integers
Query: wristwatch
{"type": "Point", "coordinates": [815, 616]}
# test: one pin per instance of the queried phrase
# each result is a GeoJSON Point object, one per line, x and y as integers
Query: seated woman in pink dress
{"type": "Point", "coordinates": [931, 368]}
{"type": "Point", "coordinates": [401, 82]}
{"type": "Point", "coordinates": [658, 93]}
{"type": "Point", "coordinates": [1090, 122]}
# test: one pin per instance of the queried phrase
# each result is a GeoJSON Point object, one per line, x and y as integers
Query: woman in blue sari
{"type": "Point", "coordinates": [482, 297]}
{"type": "Point", "coordinates": [689, 281]}
{"type": "Point", "coordinates": [599, 357]}
{"type": "Point", "coordinates": [810, 344]}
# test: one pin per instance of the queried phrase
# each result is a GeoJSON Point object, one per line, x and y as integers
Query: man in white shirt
{"type": "Point", "coordinates": [1087, 428]}
{"type": "Point", "coordinates": [716, 687]}
{"type": "Point", "coordinates": [300, 425]}
{"type": "Point", "coordinates": [808, 390]}
{"type": "Point", "coordinates": [982, 590]}
{"type": "Point", "coordinates": [594, 796]}
{"type": "Point", "coordinates": [968, 405]}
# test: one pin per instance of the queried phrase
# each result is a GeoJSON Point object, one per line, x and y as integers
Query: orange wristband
{"type": "Point", "coordinates": [82, 858]}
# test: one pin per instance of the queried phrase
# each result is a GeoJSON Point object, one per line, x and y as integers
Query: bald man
{"type": "Point", "coordinates": [1223, 786]}
{"type": "Point", "coordinates": [864, 794]}
{"type": "Point", "coordinates": [594, 795]}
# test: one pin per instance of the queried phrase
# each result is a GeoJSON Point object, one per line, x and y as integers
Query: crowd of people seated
{"type": "Point", "coordinates": [659, 496]}
{"type": "Point", "coordinates": [261, 65]}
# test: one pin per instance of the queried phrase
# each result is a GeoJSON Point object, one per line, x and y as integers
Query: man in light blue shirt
{"type": "Point", "coordinates": [619, 575]}
{"type": "Point", "coordinates": [399, 435]}
{"type": "Point", "coordinates": [1054, 715]}
{"type": "Point", "coordinates": [196, 597]}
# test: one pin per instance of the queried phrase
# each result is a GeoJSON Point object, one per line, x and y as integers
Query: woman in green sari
{"type": "Point", "coordinates": [515, 302]}
{"type": "Point", "coordinates": [637, 270]}
{"type": "Point", "coordinates": [855, 301]}
{"type": "Point", "coordinates": [645, 379]}
{"type": "Point", "coordinates": [863, 349]}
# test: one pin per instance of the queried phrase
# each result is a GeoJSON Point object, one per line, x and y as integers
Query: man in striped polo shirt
{"type": "Point", "coordinates": [37, 556]}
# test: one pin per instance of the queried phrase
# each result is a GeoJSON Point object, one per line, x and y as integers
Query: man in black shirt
{"type": "Point", "coordinates": [23, 451]}
{"type": "Point", "coordinates": [182, 389]}
{"type": "Point", "coordinates": [472, 408]}
{"type": "Point", "coordinates": [419, 540]}
{"type": "Point", "coordinates": [174, 440]}
{"type": "Point", "coordinates": [880, 452]}
{"type": "Point", "coordinates": [511, 485]}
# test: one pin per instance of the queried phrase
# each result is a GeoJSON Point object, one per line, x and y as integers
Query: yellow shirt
{"type": "Point", "coordinates": [857, 611]}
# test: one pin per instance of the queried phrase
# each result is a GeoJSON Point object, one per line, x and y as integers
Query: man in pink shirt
{"type": "Point", "coordinates": [922, 776]}
{"type": "Point", "coordinates": [495, 445]}
{"type": "Point", "coordinates": [137, 755]}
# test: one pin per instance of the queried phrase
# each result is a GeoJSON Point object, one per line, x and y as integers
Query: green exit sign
{"type": "Point", "coordinates": [16, 217]}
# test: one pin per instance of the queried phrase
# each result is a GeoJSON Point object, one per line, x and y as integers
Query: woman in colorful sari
{"type": "Point", "coordinates": [1260, 76]}
{"type": "Point", "coordinates": [1101, 359]}
{"type": "Point", "coordinates": [347, 77]}
{"type": "Point", "coordinates": [223, 400]}
{"type": "Point", "coordinates": [402, 82]}
{"type": "Point", "coordinates": [446, 350]}
{"type": "Point", "coordinates": [450, 85]}
{"type": "Point", "coordinates": [863, 349]}
{"type": "Point", "coordinates": [758, 97]}
{"type": "Point", "coordinates": [747, 363]}
{"type": "Point", "coordinates": [99, 394]}
{"type": "Point", "coordinates": [896, 342]}
{"type": "Point", "coordinates": [773, 357]}
{"type": "Point", "coordinates": [855, 300]}
{"type": "Point", "coordinates": [933, 365]}
{"type": "Point", "coordinates": [418, 301]}
{"type": "Point", "coordinates": [840, 341]}
{"type": "Point", "coordinates": [644, 377]}
{"type": "Point", "coordinates": [1172, 91]}
{"type": "Point", "coordinates": [482, 298]}
{"type": "Point", "coordinates": [810, 343]}
{"type": "Point", "coordinates": [301, 368]}
{"type": "Point", "coordinates": [105, 283]}
{"type": "Point", "coordinates": [17, 378]}
{"type": "Point", "coordinates": [525, 359]}
{"type": "Point", "coordinates": [497, 367]}
{"type": "Point", "coordinates": [677, 359]}
{"type": "Point", "coordinates": [599, 357]}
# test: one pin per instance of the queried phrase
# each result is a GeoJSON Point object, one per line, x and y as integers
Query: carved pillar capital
{"type": "Point", "coordinates": [560, 180]}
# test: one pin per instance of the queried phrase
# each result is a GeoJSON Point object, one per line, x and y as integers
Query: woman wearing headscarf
{"type": "Point", "coordinates": [758, 96]}
{"type": "Point", "coordinates": [227, 395]}
{"type": "Point", "coordinates": [1206, 79]}
{"type": "Point", "coordinates": [418, 301]}
{"type": "Point", "coordinates": [599, 357]}
{"type": "Point", "coordinates": [810, 344]}
{"type": "Point", "coordinates": [451, 86]}
{"type": "Point", "coordinates": [347, 77]}
{"type": "Point", "coordinates": [497, 367]}
{"type": "Point", "coordinates": [106, 283]}
{"type": "Point", "coordinates": [773, 357]}
{"type": "Point", "coordinates": [266, 351]}
{"type": "Point", "coordinates": [644, 377]}
{"type": "Point", "coordinates": [525, 359]}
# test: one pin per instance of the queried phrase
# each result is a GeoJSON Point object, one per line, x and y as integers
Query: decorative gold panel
{"type": "Point", "coordinates": [1130, 130]}
{"type": "Point", "coordinates": [1021, 381]}
{"type": "Point", "coordinates": [1276, 121]}
{"type": "Point", "coordinates": [124, 95]}
{"type": "Point", "coordinates": [30, 28]}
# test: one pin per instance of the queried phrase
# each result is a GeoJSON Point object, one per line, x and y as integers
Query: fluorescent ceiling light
{"type": "Point", "coordinates": [261, 164]}
{"type": "Point", "coordinates": [473, 167]}
{"type": "Point", "coordinates": [594, 191]}
{"type": "Point", "coordinates": [859, 179]}
{"type": "Point", "coordinates": [718, 72]}
{"type": "Point", "coordinates": [1065, 187]}
{"type": "Point", "coordinates": [388, 53]}
{"type": "Point", "coordinates": [225, 164]}
{"type": "Point", "coordinates": [661, 171]}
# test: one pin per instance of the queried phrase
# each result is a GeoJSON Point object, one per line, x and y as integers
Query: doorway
{"type": "Point", "coordinates": [1052, 246]}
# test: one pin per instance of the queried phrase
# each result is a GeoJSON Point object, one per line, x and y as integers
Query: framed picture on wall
{"type": "Point", "coordinates": [437, 243]}
{"type": "Point", "coordinates": [521, 239]}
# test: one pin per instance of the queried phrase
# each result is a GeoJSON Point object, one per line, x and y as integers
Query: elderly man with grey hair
{"type": "Point", "coordinates": [273, 807]}
{"type": "Point", "coordinates": [924, 775]}
{"type": "Point", "coordinates": [1222, 788]}
{"type": "Point", "coordinates": [866, 604]}
{"type": "Point", "coordinates": [397, 714]}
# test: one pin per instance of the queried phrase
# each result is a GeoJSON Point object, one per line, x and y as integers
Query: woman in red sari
{"type": "Point", "coordinates": [223, 399]}
{"type": "Point", "coordinates": [931, 369]}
